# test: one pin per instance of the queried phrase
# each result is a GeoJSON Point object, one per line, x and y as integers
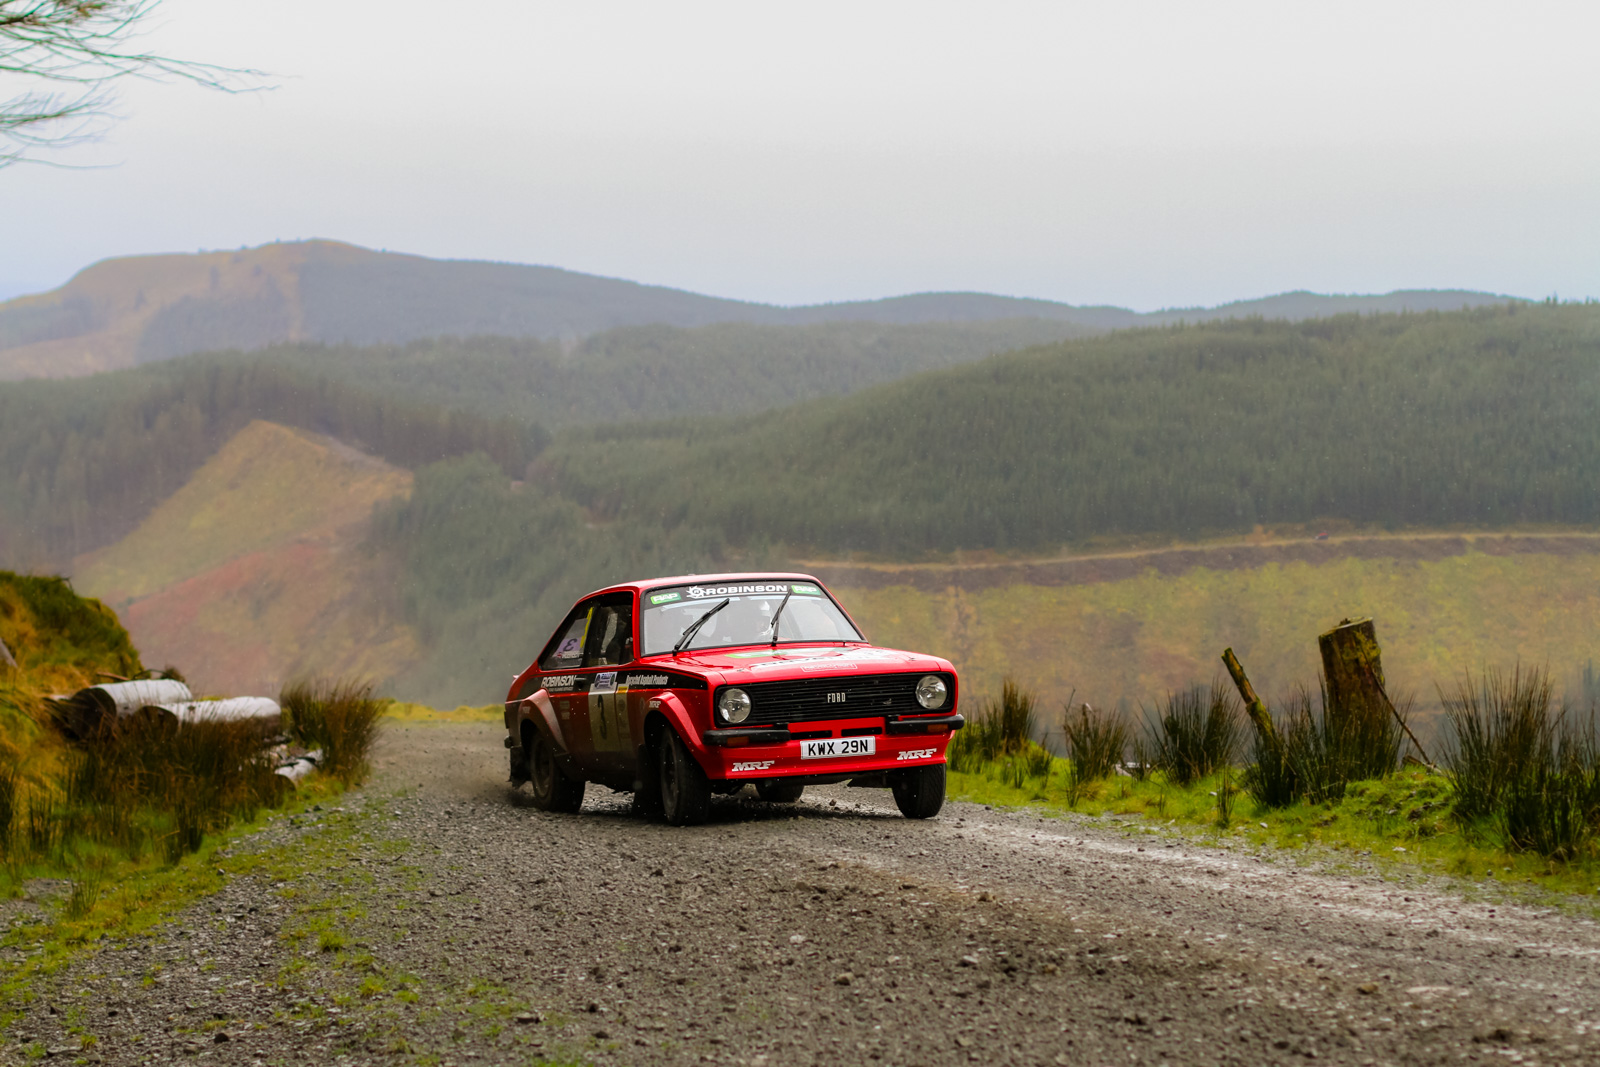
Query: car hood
{"type": "Point", "coordinates": [757, 664]}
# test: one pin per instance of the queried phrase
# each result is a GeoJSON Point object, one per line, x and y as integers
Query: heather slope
{"type": "Point", "coordinates": [1127, 629]}
{"type": "Point", "coordinates": [253, 573]}
{"type": "Point", "coordinates": [268, 485]}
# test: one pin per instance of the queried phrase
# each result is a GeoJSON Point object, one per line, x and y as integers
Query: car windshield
{"type": "Point", "coordinates": [809, 615]}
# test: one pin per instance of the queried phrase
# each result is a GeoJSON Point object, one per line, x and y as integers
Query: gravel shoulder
{"type": "Point", "coordinates": [435, 917]}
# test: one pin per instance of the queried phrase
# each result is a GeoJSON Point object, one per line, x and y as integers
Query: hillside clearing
{"type": "Point", "coordinates": [253, 573]}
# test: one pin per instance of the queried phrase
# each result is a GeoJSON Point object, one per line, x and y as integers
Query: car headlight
{"type": "Point", "coordinates": [734, 704]}
{"type": "Point", "coordinates": [931, 692]}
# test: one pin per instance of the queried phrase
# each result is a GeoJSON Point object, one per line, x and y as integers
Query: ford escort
{"type": "Point", "coordinates": [679, 689]}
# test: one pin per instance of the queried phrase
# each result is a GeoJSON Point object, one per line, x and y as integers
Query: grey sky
{"type": "Point", "coordinates": [1142, 154]}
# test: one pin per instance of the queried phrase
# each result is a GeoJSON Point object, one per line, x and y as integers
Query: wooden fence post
{"type": "Point", "coordinates": [1253, 705]}
{"type": "Point", "coordinates": [1353, 666]}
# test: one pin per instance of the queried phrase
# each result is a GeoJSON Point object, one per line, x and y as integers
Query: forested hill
{"type": "Point", "coordinates": [85, 461]}
{"type": "Point", "coordinates": [657, 372]}
{"type": "Point", "coordinates": [1481, 417]}
{"type": "Point", "coordinates": [147, 308]}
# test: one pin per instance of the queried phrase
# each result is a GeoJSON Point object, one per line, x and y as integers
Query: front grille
{"type": "Point", "coordinates": [807, 699]}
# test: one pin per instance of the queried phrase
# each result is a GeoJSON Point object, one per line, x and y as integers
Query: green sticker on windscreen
{"type": "Point", "coordinates": [665, 598]}
{"type": "Point", "coordinates": [805, 589]}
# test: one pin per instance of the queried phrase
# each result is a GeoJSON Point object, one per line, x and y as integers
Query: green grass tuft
{"type": "Point", "coordinates": [339, 717]}
{"type": "Point", "coordinates": [1523, 767]}
{"type": "Point", "coordinates": [998, 730]}
{"type": "Point", "coordinates": [1096, 741]}
{"type": "Point", "coordinates": [1193, 734]}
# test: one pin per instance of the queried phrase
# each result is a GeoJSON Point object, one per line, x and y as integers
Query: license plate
{"type": "Point", "coordinates": [828, 748]}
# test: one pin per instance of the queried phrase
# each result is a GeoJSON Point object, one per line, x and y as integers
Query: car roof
{"type": "Point", "coordinates": [689, 579]}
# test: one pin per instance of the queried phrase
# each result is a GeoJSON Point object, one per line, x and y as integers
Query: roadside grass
{"type": "Point", "coordinates": [1517, 796]}
{"type": "Point", "coordinates": [134, 896]}
{"type": "Point", "coordinates": [123, 815]}
{"type": "Point", "coordinates": [107, 838]}
{"type": "Point", "coordinates": [1406, 819]}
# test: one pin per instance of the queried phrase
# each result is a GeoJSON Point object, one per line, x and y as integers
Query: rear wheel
{"type": "Point", "coordinates": [919, 792]}
{"type": "Point", "coordinates": [552, 790]}
{"type": "Point", "coordinates": [780, 792]}
{"type": "Point", "coordinates": [685, 792]}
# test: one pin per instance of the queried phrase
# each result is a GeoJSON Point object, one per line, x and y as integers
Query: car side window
{"type": "Point", "coordinates": [567, 649]}
{"type": "Point", "coordinates": [610, 633]}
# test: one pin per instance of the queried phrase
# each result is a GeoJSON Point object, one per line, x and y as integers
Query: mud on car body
{"type": "Point", "coordinates": [677, 689]}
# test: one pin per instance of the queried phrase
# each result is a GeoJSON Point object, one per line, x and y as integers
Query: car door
{"type": "Point", "coordinates": [563, 677]}
{"type": "Point", "coordinates": [608, 649]}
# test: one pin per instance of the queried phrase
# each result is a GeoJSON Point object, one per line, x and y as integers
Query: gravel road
{"type": "Point", "coordinates": [435, 917]}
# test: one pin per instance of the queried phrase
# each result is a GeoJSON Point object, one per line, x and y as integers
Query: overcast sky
{"type": "Point", "coordinates": [1141, 154]}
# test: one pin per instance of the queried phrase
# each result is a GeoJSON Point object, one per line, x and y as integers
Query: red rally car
{"type": "Point", "coordinates": [679, 688]}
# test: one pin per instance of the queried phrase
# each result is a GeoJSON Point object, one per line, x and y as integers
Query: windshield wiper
{"type": "Point", "coordinates": [776, 615]}
{"type": "Point", "coordinates": [694, 627]}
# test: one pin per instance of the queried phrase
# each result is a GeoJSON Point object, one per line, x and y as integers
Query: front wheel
{"type": "Point", "coordinates": [552, 790]}
{"type": "Point", "coordinates": [685, 792]}
{"type": "Point", "coordinates": [919, 792]}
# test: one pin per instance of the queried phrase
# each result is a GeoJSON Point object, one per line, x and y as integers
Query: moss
{"type": "Point", "coordinates": [56, 634]}
{"type": "Point", "coordinates": [61, 642]}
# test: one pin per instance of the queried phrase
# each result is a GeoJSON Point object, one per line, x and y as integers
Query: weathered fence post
{"type": "Point", "coordinates": [1353, 666]}
{"type": "Point", "coordinates": [1253, 705]}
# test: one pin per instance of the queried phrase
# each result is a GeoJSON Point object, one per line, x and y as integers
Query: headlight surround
{"type": "Point", "coordinates": [932, 693]}
{"type": "Point", "coordinates": [734, 705]}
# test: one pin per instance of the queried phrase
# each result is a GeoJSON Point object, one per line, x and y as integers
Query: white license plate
{"type": "Point", "coordinates": [828, 748]}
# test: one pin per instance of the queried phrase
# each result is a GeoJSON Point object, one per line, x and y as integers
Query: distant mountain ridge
{"type": "Point", "coordinates": [141, 309]}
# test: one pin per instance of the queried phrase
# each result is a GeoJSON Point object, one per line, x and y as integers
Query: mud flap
{"type": "Point", "coordinates": [647, 786]}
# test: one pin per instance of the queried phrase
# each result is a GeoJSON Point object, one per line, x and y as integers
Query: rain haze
{"type": "Point", "coordinates": [1146, 155]}
{"type": "Point", "coordinates": [1094, 508]}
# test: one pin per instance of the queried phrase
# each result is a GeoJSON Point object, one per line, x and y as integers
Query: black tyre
{"type": "Point", "coordinates": [780, 792]}
{"type": "Point", "coordinates": [919, 792]}
{"type": "Point", "coordinates": [685, 792]}
{"type": "Point", "coordinates": [552, 790]}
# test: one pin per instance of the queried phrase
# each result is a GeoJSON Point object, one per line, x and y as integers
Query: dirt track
{"type": "Point", "coordinates": [1088, 569]}
{"type": "Point", "coordinates": [833, 931]}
